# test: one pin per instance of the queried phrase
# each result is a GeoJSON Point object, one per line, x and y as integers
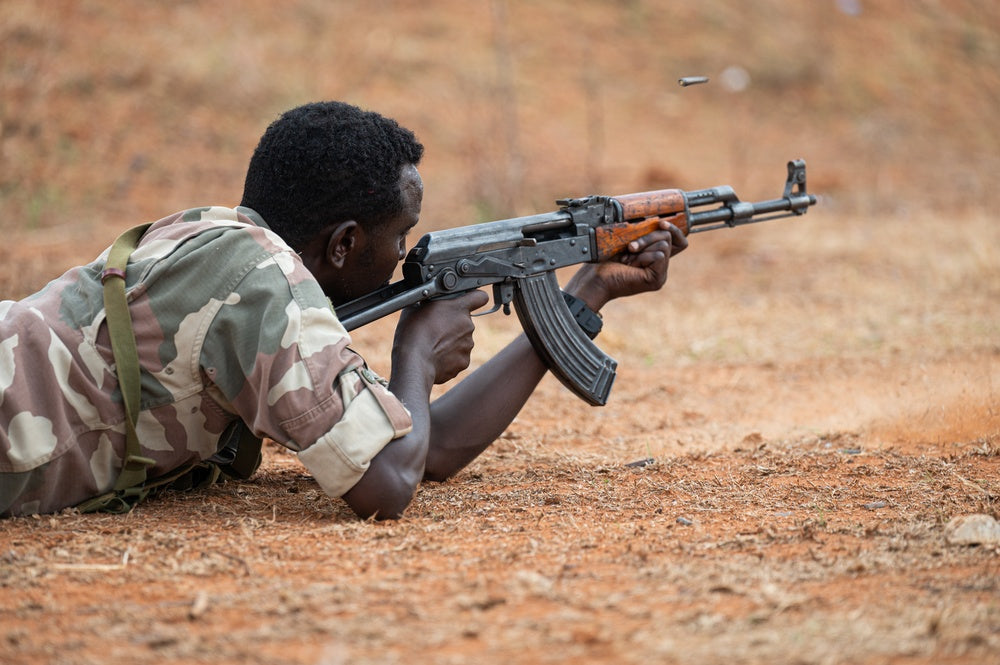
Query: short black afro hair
{"type": "Point", "coordinates": [328, 162]}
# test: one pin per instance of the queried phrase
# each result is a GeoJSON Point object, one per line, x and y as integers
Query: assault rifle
{"type": "Point", "coordinates": [518, 258]}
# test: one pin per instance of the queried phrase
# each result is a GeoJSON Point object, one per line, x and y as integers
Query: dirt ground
{"type": "Point", "coordinates": [796, 419]}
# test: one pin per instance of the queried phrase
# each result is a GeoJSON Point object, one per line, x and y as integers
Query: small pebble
{"type": "Point", "coordinates": [975, 529]}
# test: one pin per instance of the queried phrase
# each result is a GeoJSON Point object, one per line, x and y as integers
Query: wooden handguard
{"type": "Point", "coordinates": [612, 239]}
{"type": "Point", "coordinates": [644, 212]}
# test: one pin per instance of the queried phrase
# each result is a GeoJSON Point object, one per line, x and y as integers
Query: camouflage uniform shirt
{"type": "Point", "coordinates": [228, 323]}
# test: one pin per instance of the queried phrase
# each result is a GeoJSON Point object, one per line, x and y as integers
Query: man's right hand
{"type": "Point", "coordinates": [440, 330]}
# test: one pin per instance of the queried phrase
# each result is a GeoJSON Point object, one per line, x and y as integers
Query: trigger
{"type": "Point", "coordinates": [503, 295]}
{"type": "Point", "coordinates": [493, 309]}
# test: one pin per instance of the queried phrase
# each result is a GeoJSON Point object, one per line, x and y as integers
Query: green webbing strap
{"type": "Point", "coordinates": [124, 500]}
{"type": "Point", "coordinates": [133, 473]}
{"type": "Point", "coordinates": [131, 486]}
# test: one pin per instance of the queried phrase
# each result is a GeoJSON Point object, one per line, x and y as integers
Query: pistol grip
{"type": "Point", "coordinates": [575, 360]}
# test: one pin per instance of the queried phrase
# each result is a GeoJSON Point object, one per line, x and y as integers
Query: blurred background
{"type": "Point", "coordinates": [114, 113]}
{"type": "Point", "coordinates": [117, 112]}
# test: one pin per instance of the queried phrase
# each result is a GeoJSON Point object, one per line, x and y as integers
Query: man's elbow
{"type": "Point", "coordinates": [383, 500]}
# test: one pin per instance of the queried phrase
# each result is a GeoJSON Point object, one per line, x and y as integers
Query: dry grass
{"type": "Point", "coordinates": [770, 554]}
{"type": "Point", "coordinates": [819, 395]}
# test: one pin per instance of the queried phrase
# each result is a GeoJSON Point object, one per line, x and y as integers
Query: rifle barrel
{"type": "Point", "coordinates": [738, 213]}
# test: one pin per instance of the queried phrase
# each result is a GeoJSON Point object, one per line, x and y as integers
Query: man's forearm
{"type": "Point", "coordinates": [470, 416]}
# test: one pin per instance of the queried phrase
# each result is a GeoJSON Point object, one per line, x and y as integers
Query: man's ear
{"type": "Point", "coordinates": [345, 238]}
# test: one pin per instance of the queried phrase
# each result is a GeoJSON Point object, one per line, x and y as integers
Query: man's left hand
{"type": "Point", "coordinates": [640, 268]}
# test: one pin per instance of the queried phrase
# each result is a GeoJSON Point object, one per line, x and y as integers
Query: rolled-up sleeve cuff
{"type": "Point", "coordinates": [340, 457]}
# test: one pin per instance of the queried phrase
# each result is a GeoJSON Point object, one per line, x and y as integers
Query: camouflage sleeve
{"type": "Point", "coordinates": [282, 360]}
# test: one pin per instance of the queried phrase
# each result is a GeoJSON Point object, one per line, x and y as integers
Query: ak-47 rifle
{"type": "Point", "coordinates": [518, 258]}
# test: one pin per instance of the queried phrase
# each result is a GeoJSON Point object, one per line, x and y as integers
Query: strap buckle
{"type": "Point", "coordinates": [137, 462]}
{"type": "Point", "coordinates": [111, 272]}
